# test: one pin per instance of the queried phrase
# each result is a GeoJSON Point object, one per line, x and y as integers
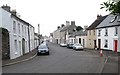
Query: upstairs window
{"type": "Point", "coordinates": [116, 31]}
{"type": "Point", "coordinates": [19, 28]}
{"type": "Point", "coordinates": [106, 32]}
{"type": "Point", "coordinates": [14, 27]}
{"type": "Point", "coordinates": [94, 32]}
{"type": "Point", "coordinates": [99, 32]}
{"type": "Point", "coordinates": [114, 18]}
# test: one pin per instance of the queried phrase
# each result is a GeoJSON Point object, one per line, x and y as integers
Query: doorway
{"type": "Point", "coordinates": [23, 46]}
{"type": "Point", "coordinates": [115, 45]}
{"type": "Point", "coordinates": [99, 43]}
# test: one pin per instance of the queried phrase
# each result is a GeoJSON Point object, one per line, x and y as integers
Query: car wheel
{"type": "Point", "coordinates": [38, 54]}
{"type": "Point", "coordinates": [48, 53]}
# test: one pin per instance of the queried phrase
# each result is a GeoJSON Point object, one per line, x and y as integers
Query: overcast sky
{"type": "Point", "coordinates": [52, 13]}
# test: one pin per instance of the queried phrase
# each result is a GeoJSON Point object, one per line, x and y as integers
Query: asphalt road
{"type": "Point", "coordinates": [60, 60]}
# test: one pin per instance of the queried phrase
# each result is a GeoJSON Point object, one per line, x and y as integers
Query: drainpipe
{"type": "Point", "coordinates": [29, 37]}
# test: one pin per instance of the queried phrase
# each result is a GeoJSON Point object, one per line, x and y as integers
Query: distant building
{"type": "Point", "coordinates": [20, 33]}
{"type": "Point", "coordinates": [57, 35]}
{"type": "Point", "coordinates": [67, 31]}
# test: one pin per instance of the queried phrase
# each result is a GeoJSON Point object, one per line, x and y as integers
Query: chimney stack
{"type": "Point", "coordinates": [62, 25]}
{"type": "Point", "coordinates": [58, 27]}
{"type": "Point", "coordinates": [72, 22]}
{"type": "Point", "coordinates": [85, 27]}
{"type": "Point", "coordinates": [67, 23]}
{"type": "Point", "coordinates": [14, 12]}
{"type": "Point", "coordinates": [39, 29]}
{"type": "Point", "coordinates": [98, 16]}
{"type": "Point", "coordinates": [7, 8]}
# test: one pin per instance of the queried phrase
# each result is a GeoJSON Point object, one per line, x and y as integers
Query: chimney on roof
{"type": "Point", "coordinates": [14, 12]}
{"type": "Point", "coordinates": [62, 25]}
{"type": "Point", "coordinates": [58, 27]}
{"type": "Point", "coordinates": [85, 27]}
{"type": "Point", "coordinates": [6, 7]}
{"type": "Point", "coordinates": [67, 23]}
{"type": "Point", "coordinates": [98, 16]}
{"type": "Point", "coordinates": [72, 22]}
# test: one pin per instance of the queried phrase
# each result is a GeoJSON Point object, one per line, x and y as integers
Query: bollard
{"type": "Point", "coordinates": [101, 52]}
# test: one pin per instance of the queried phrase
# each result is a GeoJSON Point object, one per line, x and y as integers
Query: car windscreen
{"type": "Point", "coordinates": [77, 44]}
{"type": "Point", "coordinates": [43, 47]}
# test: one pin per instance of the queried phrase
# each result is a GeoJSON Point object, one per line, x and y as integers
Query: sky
{"type": "Point", "coordinates": [52, 13]}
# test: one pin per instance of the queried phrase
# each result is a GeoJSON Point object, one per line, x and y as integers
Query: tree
{"type": "Point", "coordinates": [78, 28]}
{"type": "Point", "coordinates": [111, 6]}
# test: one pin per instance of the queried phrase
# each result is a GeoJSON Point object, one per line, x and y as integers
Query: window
{"type": "Point", "coordinates": [99, 32]}
{"type": "Point", "coordinates": [106, 32]}
{"type": "Point", "coordinates": [15, 45]}
{"type": "Point", "coordinates": [14, 27]}
{"type": "Point", "coordinates": [19, 28]}
{"type": "Point", "coordinates": [116, 31]}
{"type": "Point", "coordinates": [25, 30]}
{"type": "Point", "coordinates": [22, 29]}
{"type": "Point", "coordinates": [114, 18]}
{"type": "Point", "coordinates": [94, 32]}
{"type": "Point", "coordinates": [106, 44]}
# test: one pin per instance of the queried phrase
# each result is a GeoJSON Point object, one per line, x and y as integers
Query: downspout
{"type": "Point", "coordinates": [29, 37]}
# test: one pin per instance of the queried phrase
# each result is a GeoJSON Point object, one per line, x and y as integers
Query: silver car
{"type": "Point", "coordinates": [43, 49]}
{"type": "Point", "coordinates": [77, 46]}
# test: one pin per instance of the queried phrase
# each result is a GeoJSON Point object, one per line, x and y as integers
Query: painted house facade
{"type": "Point", "coordinates": [67, 31]}
{"type": "Point", "coordinates": [92, 34]}
{"type": "Point", "coordinates": [20, 33]}
{"type": "Point", "coordinates": [57, 35]}
{"type": "Point", "coordinates": [108, 33]}
{"type": "Point", "coordinates": [81, 37]}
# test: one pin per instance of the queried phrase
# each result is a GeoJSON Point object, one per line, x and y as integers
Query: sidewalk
{"type": "Point", "coordinates": [25, 57]}
{"type": "Point", "coordinates": [111, 62]}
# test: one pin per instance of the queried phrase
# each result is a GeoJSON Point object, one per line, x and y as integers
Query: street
{"type": "Point", "coordinates": [60, 60]}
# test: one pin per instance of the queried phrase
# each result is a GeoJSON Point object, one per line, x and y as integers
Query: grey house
{"type": "Point", "coordinates": [66, 31]}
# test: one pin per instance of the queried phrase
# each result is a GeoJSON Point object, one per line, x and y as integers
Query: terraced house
{"type": "Point", "coordinates": [67, 31]}
{"type": "Point", "coordinates": [108, 33]}
{"type": "Point", "coordinates": [92, 34]}
{"type": "Point", "coordinates": [19, 37]}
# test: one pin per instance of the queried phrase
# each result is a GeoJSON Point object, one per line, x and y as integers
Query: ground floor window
{"type": "Point", "coordinates": [106, 43]}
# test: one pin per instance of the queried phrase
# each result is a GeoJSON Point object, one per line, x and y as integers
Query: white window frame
{"type": "Point", "coordinates": [116, 31]}
{"type": "Point", "coordinates": [106, 32]}
{"type": "Point", "coordinates": [14, 26]}
{"type": "Point", "coordinates": [106, 43]}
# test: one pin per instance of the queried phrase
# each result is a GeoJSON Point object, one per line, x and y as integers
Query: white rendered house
{"type": "Point", "coordinates": [108, 32]}
{"type": "Point", "coordinates": [20, 33]}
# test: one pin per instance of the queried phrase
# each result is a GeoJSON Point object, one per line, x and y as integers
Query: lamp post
{"type": "Point", "coordinates": [39, 33]}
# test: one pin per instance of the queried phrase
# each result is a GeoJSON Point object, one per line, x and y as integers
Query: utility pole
{"type": "Point", "coordinates": [39, 33]}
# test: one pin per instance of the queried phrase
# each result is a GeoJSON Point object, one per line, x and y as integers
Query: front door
{"type": "Point", "coordinates": [115, 45]}
{"type": "Point", "coordinates": [94, 43]}
{"type": "Point", "coordinates": [99, 43]}
{"type": "Point", "coordinates": [23, 46]}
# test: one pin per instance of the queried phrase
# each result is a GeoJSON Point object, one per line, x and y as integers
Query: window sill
{"type": "Point", "coordinates": [106, 35]}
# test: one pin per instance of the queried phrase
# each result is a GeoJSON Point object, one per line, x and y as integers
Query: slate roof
{"type": "Point", "coordinates": [68, 27]}
{"type": "Point", "coordinates": [96, 23]}
{"type": "Point", "coordinates": [107, 22]}
{"type": "Point", "coordinates": [79, 33]}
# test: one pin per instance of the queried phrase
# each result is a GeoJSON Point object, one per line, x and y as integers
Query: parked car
{"type": "Point", "coordinates": [63, 44]}
{"type": "Point", "coordinates": [43, 49]}
{"type": "Point", "coordinates": [77, 46]}
{"type": "Point", "coordinates": [70, 45]}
